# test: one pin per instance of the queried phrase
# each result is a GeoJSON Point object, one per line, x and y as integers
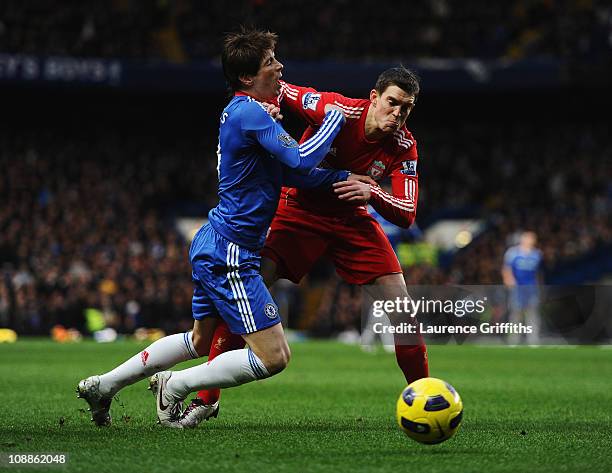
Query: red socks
{"type": "Point", "coordinates": [223, 340]}
{"type": "Point", "coordinates": [412, 360]}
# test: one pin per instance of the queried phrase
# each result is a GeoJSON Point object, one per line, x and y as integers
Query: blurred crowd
{"type": "Point", "coordinates": [184, 30]}
{"type": "Point", "coordinates": [88, 220]}
{"type": "Point", "coordinates": [553, 178]}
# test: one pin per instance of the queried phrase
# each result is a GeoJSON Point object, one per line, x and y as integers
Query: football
{"type": "Point", "coordinates": [429, 410]}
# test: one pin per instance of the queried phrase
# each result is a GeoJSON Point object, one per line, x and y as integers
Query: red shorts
{"type": "Point", "coordinates": [355, 243]}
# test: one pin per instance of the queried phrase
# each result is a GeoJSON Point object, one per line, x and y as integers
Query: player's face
{"type": "Point", "coordinates": [529, 239]}
{"type": "Point", "coordinates": [391, 108]}
{"type": "Point", "coordinates": [266, 84]}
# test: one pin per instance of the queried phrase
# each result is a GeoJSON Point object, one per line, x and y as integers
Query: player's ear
{"type": "Point", "coordinates": [246, 81]}
{"type": "Point", "coordinates": [373, 95]}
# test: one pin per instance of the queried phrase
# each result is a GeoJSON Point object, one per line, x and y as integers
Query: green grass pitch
{"type": "Point", "coordinates": [526, 409]}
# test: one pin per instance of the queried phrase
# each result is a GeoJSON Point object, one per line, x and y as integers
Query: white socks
{"type": "Point", "coordinates": [160, 355]}
{"type": "Point", "coordinates": [231, 368]}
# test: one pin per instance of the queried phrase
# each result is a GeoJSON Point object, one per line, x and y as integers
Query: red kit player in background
{"type": "Point", "coordinates": [311, 224]}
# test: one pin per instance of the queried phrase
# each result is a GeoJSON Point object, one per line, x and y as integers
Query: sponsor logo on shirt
{"type": "Point", "coordinates": [409, 168]}
{"type": "Point", "coordinates": [376, 170]}
{"type": "Point", "coordinates": [287, 141]}
{"type": "Point", "coordinates": [310, 101]}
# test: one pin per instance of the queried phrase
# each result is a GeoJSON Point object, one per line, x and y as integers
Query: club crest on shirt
{"type": "Point", "coordinates": [310, 100]}
{"type": "Point", "coordinates": [287, 141]}
{"type": "Point", "coordinates": [271, 311]}
{"type": "Point", "coordinates": [376, 170]}
{"type": "Point", "coordinates": [409, 168]}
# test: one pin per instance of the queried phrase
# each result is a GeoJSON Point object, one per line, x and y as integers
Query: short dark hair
{"type": "Point", "coordinates": [400, 76]}
{"type": "Point", "coordinates": [243, 52]}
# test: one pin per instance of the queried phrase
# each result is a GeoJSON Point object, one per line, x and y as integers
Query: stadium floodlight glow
{"type": "Point", "coordinates": [463, 239]}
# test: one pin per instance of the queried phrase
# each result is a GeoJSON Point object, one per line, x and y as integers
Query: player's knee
{"type": "Point", "coordinates": [286, 356]}
{"type": "Point", "coordinates": [277, 360]}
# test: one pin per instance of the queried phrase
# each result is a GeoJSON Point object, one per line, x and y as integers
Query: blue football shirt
{"type": "Point", "coordinates": [256, 157]}
{"type": "Point", "coordinates": [524, 265]}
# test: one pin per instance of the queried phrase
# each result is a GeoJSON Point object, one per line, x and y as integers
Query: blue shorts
{"type": "Point", "coordinates": [524, 297]}
{"type": "Point", "coordinates": [227, 283]}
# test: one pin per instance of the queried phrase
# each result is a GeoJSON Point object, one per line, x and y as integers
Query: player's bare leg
{"type": "Point", "coordinates": [203, 332]}
{"type": "Point", "coordinates": [271, 347]}
{"type": "Point", "coordinates": [411, 353]}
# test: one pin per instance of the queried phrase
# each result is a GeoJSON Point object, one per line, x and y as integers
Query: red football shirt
{"type": "Point", "coordinates": [395, 156]}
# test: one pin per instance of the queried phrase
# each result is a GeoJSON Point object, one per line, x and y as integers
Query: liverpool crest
{"type": "Point", "coordinates": [376, 170]}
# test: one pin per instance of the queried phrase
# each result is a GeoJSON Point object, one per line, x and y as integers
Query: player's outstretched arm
{"type": "Point", "coordinates": [321, 178]}
{"type": "Point", "coordinates": [273, 137]}
{"type": "Point", "coordinates": [317, 178]}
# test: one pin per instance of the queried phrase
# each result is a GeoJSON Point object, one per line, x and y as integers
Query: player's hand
{"type": "Point", "coordinates": [273, 110]}
{"type": "Point", "coordinates": [329, 107]}
{"type": "Point", "coordinates": [362, 178]}
{"type": "Point", "coordinates": [353, 191]}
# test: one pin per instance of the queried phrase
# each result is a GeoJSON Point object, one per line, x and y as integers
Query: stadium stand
{"type": "Point", "coordinates": [184, 30]}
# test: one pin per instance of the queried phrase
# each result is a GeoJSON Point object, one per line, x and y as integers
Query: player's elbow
{"type": "Point", "coordinates": [405, 221]}
{"type": "Point", "coordinates": [404, 224]}
{"type": "Point", "coordinates": [304, 167]}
